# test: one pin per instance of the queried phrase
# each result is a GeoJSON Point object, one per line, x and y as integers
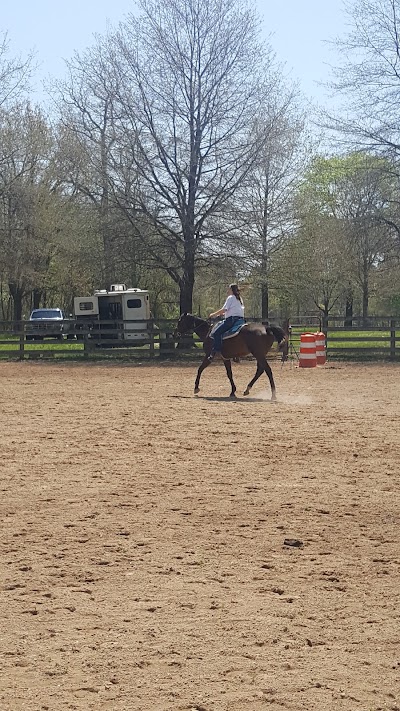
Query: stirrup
{"type": "Point", "coordinates": [210, 357]}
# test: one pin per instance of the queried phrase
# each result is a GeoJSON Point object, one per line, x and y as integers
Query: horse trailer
{"type": "Point", "coordinates": [117, 314]}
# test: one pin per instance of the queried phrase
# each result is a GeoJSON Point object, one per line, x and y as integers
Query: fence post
{"type": "Point", "coordinates": [150, 328]}
{"type": "Point", "coordinates": [85, 343]}
{"type": "Point", "coordinates": [21, 342]}
{"type": "Point", "coordinates": [392, 339]}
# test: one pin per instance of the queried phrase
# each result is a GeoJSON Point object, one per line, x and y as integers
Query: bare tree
{"type": "Point", "coordinates": [86, 100]}
{"type": "Point", "coordinates": [367, 77]}
{"type": "Point", "coordinates": [368, 80]}
{"type": "Point", "coordinates": [192, 77]}
{"type": "Point", "coordinates": [14, 73]}
{"type": "Point", "coordinates": [264, 206]}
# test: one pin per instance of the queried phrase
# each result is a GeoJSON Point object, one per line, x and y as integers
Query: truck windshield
{"type": "Point", "coordinates": [46, 313]}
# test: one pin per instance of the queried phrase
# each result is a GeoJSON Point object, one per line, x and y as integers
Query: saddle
{"type": "Point", "coordinates": [236, 328]}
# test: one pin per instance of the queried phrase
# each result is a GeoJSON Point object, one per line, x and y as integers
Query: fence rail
{"type": "Point", "coordinates": [379, 339]}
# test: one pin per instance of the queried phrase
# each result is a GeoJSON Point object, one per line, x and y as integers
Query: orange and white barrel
{"type": "Point", "coordinates": [320, 347]}
{"type": "Point", "coordinates": [308, 353]}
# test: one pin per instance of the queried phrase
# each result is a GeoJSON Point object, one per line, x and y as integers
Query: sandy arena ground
{"type": "Point", "coordinates": [143, 563]}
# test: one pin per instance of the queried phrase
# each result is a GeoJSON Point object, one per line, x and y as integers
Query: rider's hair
{"type": "Point", "coordinates": [236, 292]}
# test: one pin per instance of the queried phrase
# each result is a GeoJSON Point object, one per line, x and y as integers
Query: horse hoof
{"type": "Point", "coordinates": [233, 396]}
{"type": "Point", "coordinates": [246, 392]}
{"type": "Point", "coordinates": [196, 390]}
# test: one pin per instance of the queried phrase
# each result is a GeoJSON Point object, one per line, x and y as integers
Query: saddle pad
{"type": "Point", "coordinates": [236, 328]}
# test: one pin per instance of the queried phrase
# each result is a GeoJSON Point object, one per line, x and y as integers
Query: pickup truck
{"type": "Point", "coordinates": [49, 323]}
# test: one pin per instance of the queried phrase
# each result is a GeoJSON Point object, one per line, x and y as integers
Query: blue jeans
{"type": "Point", "coordinates": [225, 326]}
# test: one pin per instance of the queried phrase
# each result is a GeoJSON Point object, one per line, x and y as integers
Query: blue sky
{"type": "Point", "coordinates": [297, 30]}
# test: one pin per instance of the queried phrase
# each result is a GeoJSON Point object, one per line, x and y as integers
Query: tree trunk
{"type": "Point", "coordinates": [186, 294]}
{"type": "Point", "coordinates": [348, 318]}
{"type": "Point", "coordinates": [36, 297]}
{"type": "Point", "coordinates": [186, 283]}
{"type": "Point", "coordinates": [186, 304]}
{"type": "Point", "coordinates": [365, 294]}
{"type": "Point", "coordinates": [264, 300]}
{"type": "Point", "coordinates": [5, 303]}
{"type": "Point", "coordinates": [186, 286]}
{"type": "Point", "coordinates": [109, 276]}
{"type": "Point", "coordinates": [17, 294]}
{"type": "Point", "coordinates": [264, 257]}
{"type": "Point", "coordinates": [325, 313]}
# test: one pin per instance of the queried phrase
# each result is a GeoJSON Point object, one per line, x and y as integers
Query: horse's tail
{"type": "Point", "coordinates": [279, 334]}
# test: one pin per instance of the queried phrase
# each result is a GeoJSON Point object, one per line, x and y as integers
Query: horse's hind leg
{"type": "Point", "coordinates": [259, 371]}
{"type": "Point", "coordinates": [204, 365]}
{"type": "Point", "coordinates": [228, 368]}
{"type": "Point", "coordinates": [268, 371]}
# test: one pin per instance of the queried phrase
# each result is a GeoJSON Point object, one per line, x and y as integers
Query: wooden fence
{"type": "Point", "coordinates": [379, 339]}
{"type": "Point", "coordinates": [78, 340]}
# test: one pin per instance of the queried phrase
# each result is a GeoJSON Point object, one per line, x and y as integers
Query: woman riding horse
{"type": "Point", "coordinates": [233, 312]}
{"type": "Point", "coordinates": [253, 338]}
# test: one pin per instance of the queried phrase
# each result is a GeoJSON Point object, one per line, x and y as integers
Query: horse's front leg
{"type": "Point", "coordinates": [228, 368]}
{"type": "Point", "coordinates": [203, 365]}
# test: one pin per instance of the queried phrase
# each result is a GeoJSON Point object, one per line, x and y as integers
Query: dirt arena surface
{"type": "Point", "coordinates": [143, 559]}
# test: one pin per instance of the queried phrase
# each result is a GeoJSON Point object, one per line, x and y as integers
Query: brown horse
{"type": "Point", "coordinates": [253, 338]}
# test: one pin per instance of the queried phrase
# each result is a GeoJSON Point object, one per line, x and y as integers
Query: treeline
{"type": "Point", "coordinates": [177, 157]}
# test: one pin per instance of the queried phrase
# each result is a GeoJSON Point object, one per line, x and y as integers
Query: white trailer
{"type": "Point", "coordinates": [127, 310]}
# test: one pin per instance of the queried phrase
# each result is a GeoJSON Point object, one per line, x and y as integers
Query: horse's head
{"type": "Point", "coordinates": [184, 325]}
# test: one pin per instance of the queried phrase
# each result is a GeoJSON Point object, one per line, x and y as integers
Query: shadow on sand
{"type": "Point", "coordinates": [238, 399]}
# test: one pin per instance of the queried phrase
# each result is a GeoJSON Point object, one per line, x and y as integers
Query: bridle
{"type": "Point", "coordinates": [192, 329]}
{"type": "Point", "coordinates": [179, 334]}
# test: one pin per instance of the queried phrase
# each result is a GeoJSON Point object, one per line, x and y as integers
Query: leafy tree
{"type": "Point", "coordinates": [343, 203]}
{"type": "Point", "coordinates": [31, 209]}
